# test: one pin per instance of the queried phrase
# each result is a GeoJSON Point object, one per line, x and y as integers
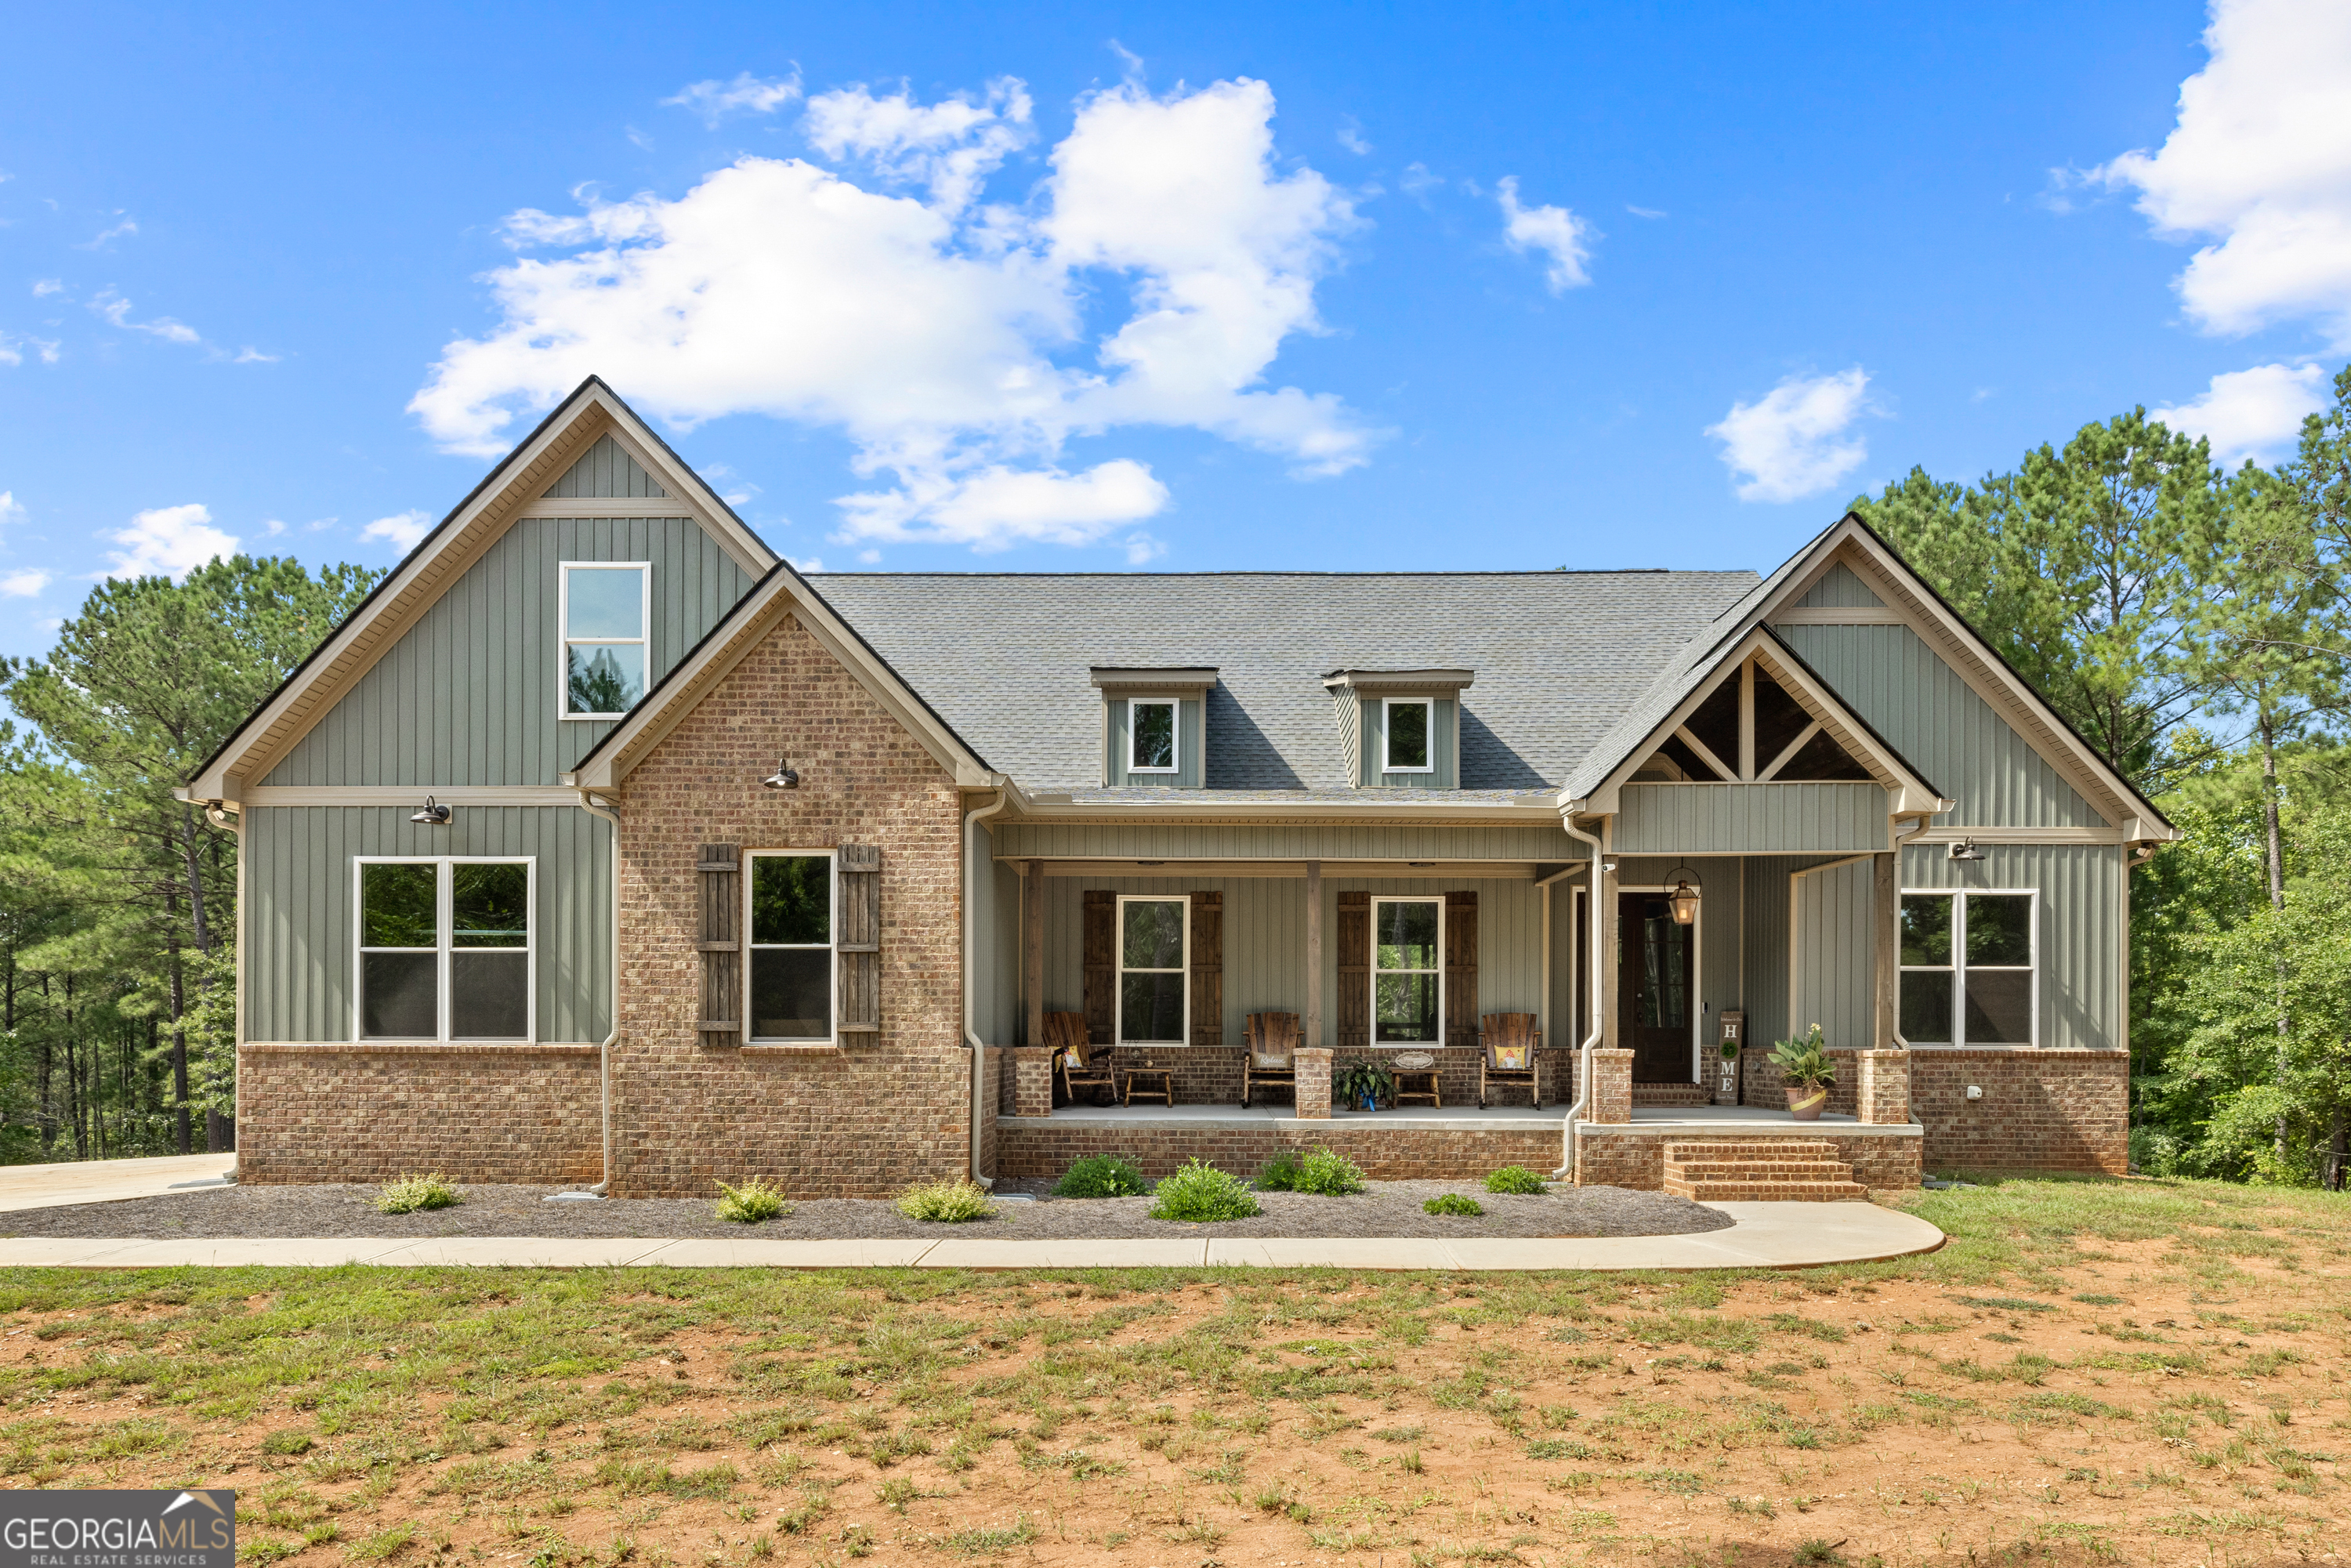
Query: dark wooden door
{"type": "Point", "coordinates": [1654, 974]}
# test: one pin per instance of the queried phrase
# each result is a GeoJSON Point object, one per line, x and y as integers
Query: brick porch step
{"type": "Point", "coordinates": [1671, 1094]}
{"type": "Point", "coordinates": [1759, 1170]}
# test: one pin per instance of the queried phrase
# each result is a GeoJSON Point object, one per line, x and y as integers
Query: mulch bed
{"type": "Point", "coordinates": [1388, 1208]}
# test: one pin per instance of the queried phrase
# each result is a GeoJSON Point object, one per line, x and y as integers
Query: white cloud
{"type": "Point", "coordinates": [249, 355]}
{"type": "Point", "coordinates": [403, 531]}
{"type": "Point", "coordinates": [1644, 212]}
{"type": "Point", "coordinates": [1418, 181]}
{"type": "Point", "coordinates": [9, 355]}
{"type": "Point", "coordinates": [1554, 231]}
{"type": "Point", "coordinates": [812, 564]}
{"type": "Point", "coordinates": [946, 338]}
{"type": "Point", "coordinates": [1792, 442]}
{"type": "Point", "coordinates": [106, 236]}
{"type": "Point", "coordinates": [117, 310]}
{"type": "Point", "coordinates": [274, 527]}
{"type": "Point", "coordinates": [12, 510]}
{"type": "Point", "coordinates": [42, 287]}
{"type": "Point", "coordinates": [2251, 413]}
{"type": "Point", "coordinates": [713, 100]}
{"type": "Point", "coordinates": [1351, 137]}
{"type": "Point", "coordinates": [2260, 161]}
{"type": "Point", "coordinates": [1141, 548]}
{"type": "Point", "coordinates": [169, 541]}
{"type": "Point", "coordinates": [24, 585]}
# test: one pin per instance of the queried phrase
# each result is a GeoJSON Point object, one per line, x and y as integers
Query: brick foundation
{"type": "Point", "coordinates": [1313, 1065]}
{"type": "Point", "coordinates": [1047, 1148]}
{"type": "Point", "coordinates": [1882, 1088]}
{"type": "Point", "coordinates": [1608, 1157]}
{"type": "Point", "coordinates": [2040, 1110]}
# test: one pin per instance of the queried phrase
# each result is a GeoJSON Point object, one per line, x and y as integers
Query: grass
{"type": "Point", "coordinates": [1517, 1179]}
{"type": "Point", "coordinates": [409, 1194]}
{"type": "Point", "coordinates": [1200, 1193]}
{"type": "Point", "coordinates": [1453, 1203]}
{"type": "Point", "coordinates": [1101, 1176]}
{"type": "Point", "coordinates": [947, 1202]}
{"type": "Point", "coordinates": [751, 1203]}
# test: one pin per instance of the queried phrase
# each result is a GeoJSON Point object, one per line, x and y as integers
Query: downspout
{"type": "Point", "coordinates": [970, 940]}
{"type": "Point", "coordinates": [234, 822]}
{"type": "Point", "coordinates": [605, 1051]}
{"type": "Point", "coordinates": [1598, 845]}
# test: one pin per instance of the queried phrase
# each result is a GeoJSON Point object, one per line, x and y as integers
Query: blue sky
{"type": "Point", "coordinates": [1199, 286]}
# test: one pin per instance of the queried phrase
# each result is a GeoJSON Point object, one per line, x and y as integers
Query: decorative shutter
{"type": "Point", "coordinates": [1353, 1014]}
{"type": "Point", "coordinates": [1101, 965]}
{"type": "Point", "coordinates": [859, 941]}
{"type": "Point", "coordinates": [1461, 969]}
{"type": "Point", "coordinates": [720, 867]}
{"type": "Point", "coordinates": [1207, 968]}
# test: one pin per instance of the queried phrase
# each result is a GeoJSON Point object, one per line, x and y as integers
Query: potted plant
{"type": "Point", "coordinates": [1365, 1083]}
{"type": "Point", "coordinates": [1805, 1064]}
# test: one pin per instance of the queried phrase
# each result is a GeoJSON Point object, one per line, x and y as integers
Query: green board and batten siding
{"type": "Point", "coordinates": [1444, 747]}
{"type": "Point", "coordinates": [1793, 818]}
{"type": "Point", "coordinates": [1190, 750]}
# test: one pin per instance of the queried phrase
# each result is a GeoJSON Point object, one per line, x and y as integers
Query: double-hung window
{"type": "Point", "coordinates": [444, 949]}
{"type": "Point", "coordinates": [1968, 963]}
{"type": "Point", "coordinates": [1407, 973]}
{"type": "Point", "coordinates": [1410, 724]}
{"type": "Point", "coordinates": [790, 966]}
{"type": "Point", "coordinates": [1150, 742]}
{"type": "Point", "coordinates": [1153, 950]}
{"type": "Point", "coordinates": [607, 615]}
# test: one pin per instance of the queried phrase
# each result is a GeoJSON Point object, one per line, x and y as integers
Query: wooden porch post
{"type": "Point", "coordinates": [1604, 980]}
{"type": "Point", "coordinates": [1884, 906]}
{"type": "Point", "coordinates": [1315, 953]}
{"type": "Point", "coordinates": [1032, 951]}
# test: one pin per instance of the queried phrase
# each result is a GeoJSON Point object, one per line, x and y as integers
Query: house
{"type": "Point", "coordinates": [600, 845]}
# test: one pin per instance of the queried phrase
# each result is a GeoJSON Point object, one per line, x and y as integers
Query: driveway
{"type": "Point", "coordinates": [102, 1181]}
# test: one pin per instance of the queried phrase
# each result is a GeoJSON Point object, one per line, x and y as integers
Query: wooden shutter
{"type": "Point", "coordinates": [858, 942]}
{"type": "Point", "coordinates": [1207, 968]}
{"type": "Point", "coordinates": [1101, 965]}
{"type": "Point", "coordinates": [1353, 1014]}
{"type": "Point", "coordinates": [1461, 969]}
{"type": "Point", "coordinates": [720, 867]}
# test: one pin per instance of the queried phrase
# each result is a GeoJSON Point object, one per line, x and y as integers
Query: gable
{"type": "Point", "coordinates": [606, 471]}
{"type": "Point", "coordinates": [1840, 589]}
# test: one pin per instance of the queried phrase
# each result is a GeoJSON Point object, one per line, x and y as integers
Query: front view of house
{"type": "Point", "coordinates": [601, 846]}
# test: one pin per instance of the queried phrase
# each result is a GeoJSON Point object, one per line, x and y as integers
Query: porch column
{"type": "Point", "coordinates": [1612, 1087]}
{"type": "Point", "coordinates": [1313, 1079]}
{"type": "Point", "coordinates": [1032, 951]}
{"type": "Point", "coordinates": [1314, 964]}
{"type": "Point", "coordinates": [1886, 902]}
{"type": "Point", "coordinates": [1603, 988]}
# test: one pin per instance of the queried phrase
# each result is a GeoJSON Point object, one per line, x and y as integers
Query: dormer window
{"type": "Point", "coordinates": [1154, 724]}
{"type": "Point", "coordinates": [1400, 729]}
{"type": "Point", "coordinates": [1410, 724]}
{"type": "Point", "coordinates": [1151, 731]}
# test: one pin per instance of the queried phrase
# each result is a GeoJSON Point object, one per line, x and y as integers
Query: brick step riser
{"type": "Point", "coordinates": [1745, 1192]}
{"type": "Point", "coordinates": [1749, 1173]}
{"type": "Point", "coordinates": [1810, 1148]}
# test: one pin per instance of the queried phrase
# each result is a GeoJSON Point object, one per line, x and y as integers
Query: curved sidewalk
{"type": "Point", "coordinates": [1763, 1236]}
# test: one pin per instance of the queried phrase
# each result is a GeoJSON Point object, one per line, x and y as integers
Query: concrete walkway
{"type": "Point", "coordinates": [104, 1181]}
{"type": "Point", "coordinates": [1765, 1236]}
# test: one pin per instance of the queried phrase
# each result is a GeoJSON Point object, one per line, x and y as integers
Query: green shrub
{"type": "Point", "coordinates": [407, 1194]}
{"type": "Point", "coordinates": [1279, 1174]}
{"type": "Point", "coordinates": [1200, 1193]}
{"type": "Point", "coordinates": [1454, 1203]}
{"type": "Point", "coordinates": [1515, 1178]}
{"type": "Point", "coordinates": [1328, 1174]}
{"type": "Point", "coordinates": [286, 1442]}
{"type": "Point", "coordinates": [1101, 1176]}
{"type": "Point", "coordinates": [752, 1202]}
{"type": "Point", "coordinates": [949, 1202]}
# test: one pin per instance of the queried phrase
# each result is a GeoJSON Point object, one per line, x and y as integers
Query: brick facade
{"type": "Point", "coordinates": [1389, 1153]}
{"type": "Point", "coordinates": [2040, 1110]}
{"type": "Point", "coordinates": [1313, 1065]}
{"type": "Point", "coordinates": [1612, 1087]}
{"type": "Point", "coordinates": [1882, 1088]}
{"type": "Point", "coordinates": [1607, 1158]}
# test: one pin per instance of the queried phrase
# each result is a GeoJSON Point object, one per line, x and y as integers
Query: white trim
{"type": "Point", "coordinates": [1118, 1001]}
{"type": "Point", "coordinates": [1953, 835]}
{"type": "Point", "coordinates": [408, 795]}
{"type": "Point", "coordinates": [1788, 752]}
{"type": "Point", "coordinates": [831, 947]}
{"type": "Point", "coordinates": [643, 641]}
{"type": "Point", "coordinates": [1388, 734]}
{"type": "Point", "coordinates": [443, 890]}
{"type": "Point", "coordinates": [1704, 753]}
{"type": "Point", "coordinates": [1372, 1016]}
{"type": "Point", "coordinates": [1175, 706]}
{"type": "Point", "coordinates": [1958, 968]}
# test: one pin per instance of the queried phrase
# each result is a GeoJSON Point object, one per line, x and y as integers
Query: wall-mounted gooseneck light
{"type": "Point", "coordinates": [783, 778]}
{"type": "Point", "coordinates": [433, 815]}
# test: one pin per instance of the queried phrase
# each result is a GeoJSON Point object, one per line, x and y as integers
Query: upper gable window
{"type": "Point", "coordinates": [1410, 726]}
{"type": "Point", "coordinates": [607, 612]}
{"type": "Point", "coordinates": [1152, 735]}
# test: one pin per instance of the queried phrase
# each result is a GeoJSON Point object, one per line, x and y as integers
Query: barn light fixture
{"type": "Point", "coordinates": [433, 815]}
{"type": "Point", "coordinates": [1965, 850]}
{"type": "Point", "coordinates": [783, 778]}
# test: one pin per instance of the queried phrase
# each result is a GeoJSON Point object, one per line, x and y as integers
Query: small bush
{"type": "Point", "coordinates": [1200, 1193]}
{"type": "Point", "coordinates": [1516, 1178]}
{"type": "Point", "coordinates": [752, 1202]}
{"type": "Point", "coordinates": [948, 1202]}
{"type": "Point", "coordinates": [287, 1442]}
{"type": "Point", "coordinates": [1101, 1176]}
{"type": "Point", "coordinates": [1328, 1174]}
{"type": "Point", "coordinates": [1454, 1203]}
{"type": "Point", "coordinates": [1279, 1174]}
{"type": "Point", "coordinates": [407, 1194]}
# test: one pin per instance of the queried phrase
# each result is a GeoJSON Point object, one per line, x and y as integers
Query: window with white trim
{"type": "Point", "coordinates": [444, 948]}
{"type": "Point", "coordinates": [1410, 726]}
{"type": "Point", "coordinates": [1151, 736]}
{"type": "Point", "coordinates": [789, 964]}
{"type": "Point", "coordinates": [1155, 941]}
{"type": "Point", "coordinates": [1970, 962]}
{"type": "Point", "coordinates": [1408, 971]}
{"type": "Point", "coordinates": [606, 610]}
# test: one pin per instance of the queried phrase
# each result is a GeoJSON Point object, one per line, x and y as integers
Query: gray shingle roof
{"type": "Point", "coordinates": [1560, 658]}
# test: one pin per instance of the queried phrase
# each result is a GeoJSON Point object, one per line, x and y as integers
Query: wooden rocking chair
{"type": "Point", "coordinates": [1271, 1056]}
{"type": "Point", "coordinates": [1513, 1049]}
{"type": "Point", "coordinates": [1078, 1062]}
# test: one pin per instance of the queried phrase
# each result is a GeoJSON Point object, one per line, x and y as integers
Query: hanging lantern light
{"type": "Point", "coordinates": [1684, 902]}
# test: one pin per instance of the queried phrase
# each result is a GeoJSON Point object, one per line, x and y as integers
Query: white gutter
{"type": "Point", "coordinates": [604, 1051]}
{"type": "Point", "coordinates": [1917, 827]}
{"type": "Point", "coordinates": [971, 1035]}
{"type": "Point", "coordinates": [1599, 846]}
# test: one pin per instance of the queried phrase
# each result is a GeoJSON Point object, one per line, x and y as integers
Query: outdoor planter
{"type": "Point", "coordinates": [1805, 1104]}
{"type": "Point", "coordinates": [1804, 1062]}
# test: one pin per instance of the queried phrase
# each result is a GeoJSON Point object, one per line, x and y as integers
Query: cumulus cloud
{"type": "Point", "coordinates": [713, 100]}
{"type": "Point", "coordinates": [117, 310]}
{"type": "Point", "coordinates": [23, 584]}
{"type": "Point", "coordinates": [169, 541]}
{"type": "Point", "coordinates": [2252, 413]}
{"type": "Point", "coordinates": [12, 510]}
{"type": "Point", "coordinates": [959, 344]}
{"type": "Point", "coordinates": [1553, 231]}
{"type": "Point", "coordinates": [2259, 163]}
{"type": "Point", "coordinates": [403, 531]}
{"type": "Point", "coordinates": [1792, 442]}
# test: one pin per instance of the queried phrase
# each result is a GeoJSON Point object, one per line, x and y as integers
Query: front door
{"type": "Point", "coordinates": [1653, 987]}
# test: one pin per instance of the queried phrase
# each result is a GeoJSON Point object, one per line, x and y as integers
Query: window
{"type": "Point", "coordinates": [444, 949]}
{"type": "Point", "coordinates": [606, 609]}
{"type": "Point", "coordinates": [1409, 735]}
{"type": "Point", "coordinates": [1154, 942]}
{"type": "Point", "coordinates": [1151, 736]}
{"type": "Point", "coordinates": [1968, 968]}
{"type": "Point", "coordinates": [1408, 980]}
{"type": "Point", "coordinates": [790, 969]}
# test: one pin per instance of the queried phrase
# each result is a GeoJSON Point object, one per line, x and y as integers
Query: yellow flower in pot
{"type": "Point", "coordinates": [1805, 1064]}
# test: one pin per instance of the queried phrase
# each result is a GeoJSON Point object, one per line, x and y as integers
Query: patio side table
{"type": "Point", "coordinates": [1164, 1079]}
